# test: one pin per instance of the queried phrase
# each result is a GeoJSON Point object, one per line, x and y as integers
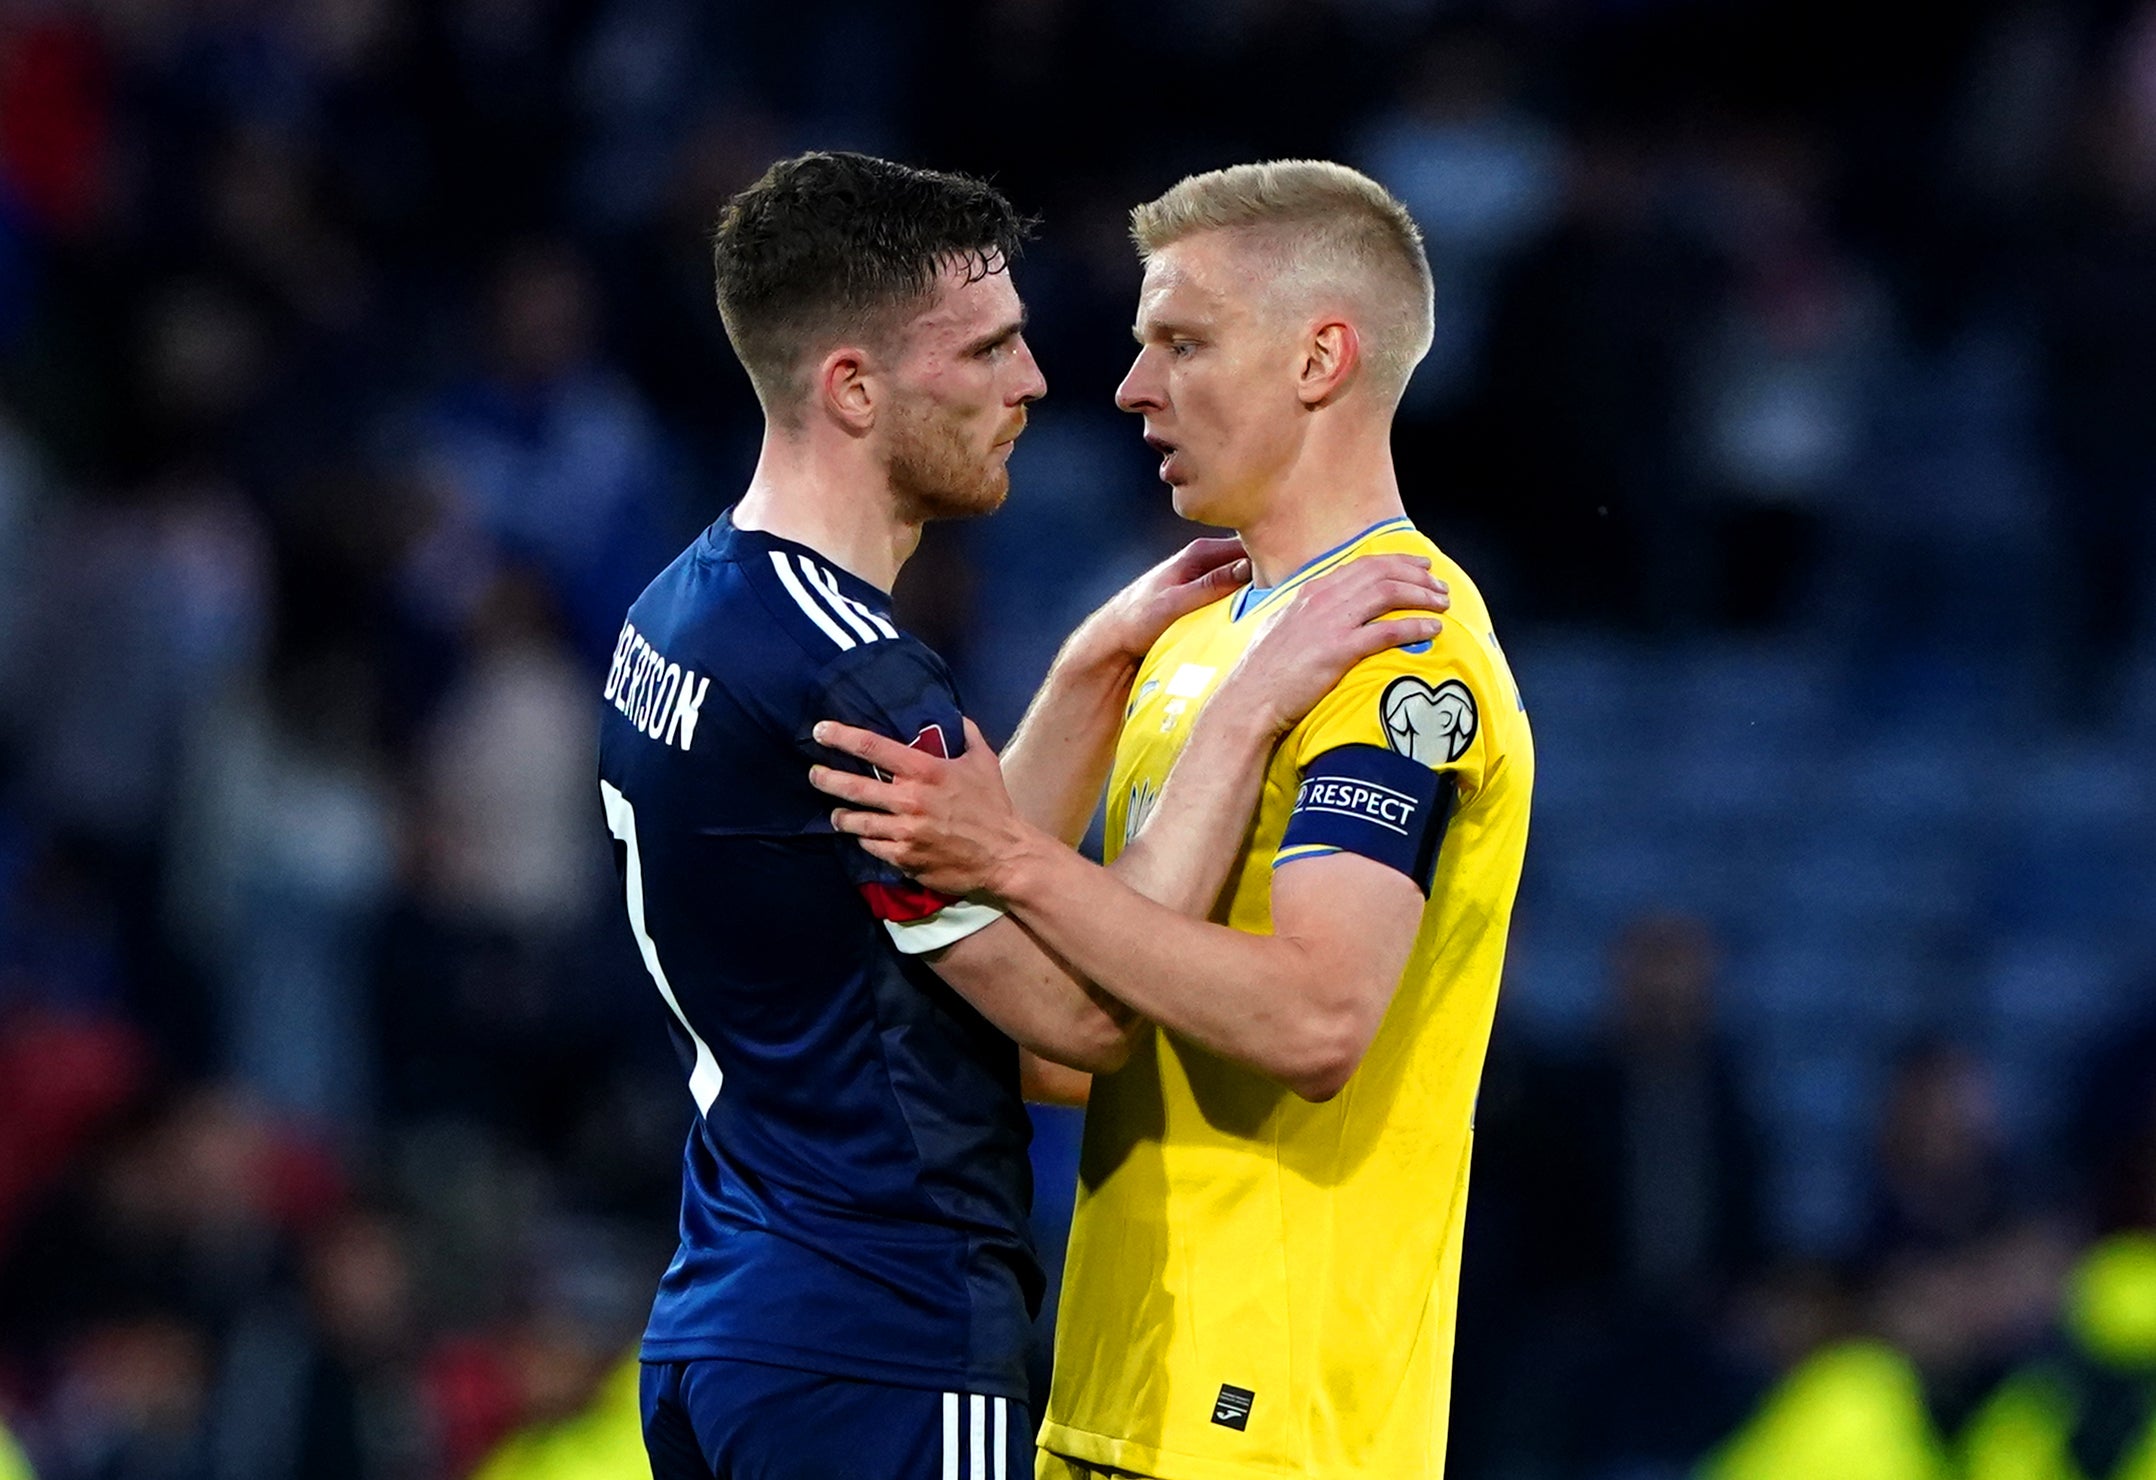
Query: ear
{"type": "Point", "coordinates": [846, 389]}
{"type": "Point", "coordinates": [1331, 355]}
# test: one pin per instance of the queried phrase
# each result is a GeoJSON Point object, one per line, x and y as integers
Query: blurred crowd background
{"type": "Point", "coordinates": [1794, 401]}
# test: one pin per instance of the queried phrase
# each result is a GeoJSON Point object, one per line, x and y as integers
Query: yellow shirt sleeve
{"type": "Point", "coordinates": [1430, 706]}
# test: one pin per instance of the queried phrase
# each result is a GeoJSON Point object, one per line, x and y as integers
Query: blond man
{"type": "Point", "coordinates": [1265, 1255]}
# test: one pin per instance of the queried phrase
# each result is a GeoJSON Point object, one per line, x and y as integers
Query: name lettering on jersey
{"type": "Point", "coordinates": [1431, 725]}
{"type": "Point", "coordinates": [1365, 800]}
{"type": "Point", "coordinates": [1231, 1410]}
{"type": "Point", "coordinates": [661, 699]}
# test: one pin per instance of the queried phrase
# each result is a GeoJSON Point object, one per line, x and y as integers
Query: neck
{"type": "Point", "coordinates": [1329, 495]}
{"type": "Point", "coordinates": [830, 498]}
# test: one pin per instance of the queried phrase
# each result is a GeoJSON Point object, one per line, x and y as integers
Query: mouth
{"type": "Point", "coordinates": [1169, 468]}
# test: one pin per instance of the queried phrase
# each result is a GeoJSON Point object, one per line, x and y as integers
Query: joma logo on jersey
{"type": "Point", "coordinates": [1231, 1410]}
{"type": "Point", "coordinates": [660, 698]}
{"type": "Point", "coordinates": [1364, 799]}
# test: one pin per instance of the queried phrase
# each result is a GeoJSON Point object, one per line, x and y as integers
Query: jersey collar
{"type": "Point", "coordinates": [730, 540]}
{"type": "Point", "coordinates": [1251, 598]}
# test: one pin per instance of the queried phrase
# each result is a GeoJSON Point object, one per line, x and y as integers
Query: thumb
{"type": "Point", "coordinates": [975, 740]}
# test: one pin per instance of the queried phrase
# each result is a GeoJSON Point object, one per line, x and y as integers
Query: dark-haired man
{"type": "Point", "coordinates": [855, 1281]}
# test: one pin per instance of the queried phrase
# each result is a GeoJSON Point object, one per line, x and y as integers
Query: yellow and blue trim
{"type": "Point", "coordinates": [1251, 598]}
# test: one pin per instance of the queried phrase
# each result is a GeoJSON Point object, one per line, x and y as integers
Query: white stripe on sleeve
{"type": "Point", "coordinates": [808, 604]}
{"type": "Point", "coordinates": [950, 1436]}
{"type": "Point", "coordinates": [1003, 1439]}
{"type": "Point", "coordinates": [946, 927]}
{"type": "Point", "coordinates": [979, 1407]}
{"type": "Point", "coordinates": [849, 611]}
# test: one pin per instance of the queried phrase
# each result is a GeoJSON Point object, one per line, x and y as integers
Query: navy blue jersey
{"type": "Point", "coordinates": [856, 1189]}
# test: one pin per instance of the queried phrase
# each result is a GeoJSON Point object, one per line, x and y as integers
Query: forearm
{"type": "Point", "coordinates": [1182, 856]}
{"type": "Point", "coordinates": [1057, 762]}
{"type": "Point", "coordinates": [1259, 1000]}
{"type": "Point", "coordinates": [1178, 864]}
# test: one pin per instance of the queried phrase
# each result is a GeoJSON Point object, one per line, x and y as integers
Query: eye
{"type": "Point", "coordinates": [1181, 348]}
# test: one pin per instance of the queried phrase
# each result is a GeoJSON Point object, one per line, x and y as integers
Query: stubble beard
{"type": "Point", "coordinates": [935, 475]}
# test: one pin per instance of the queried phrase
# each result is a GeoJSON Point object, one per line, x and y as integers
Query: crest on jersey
{"type": "Point", "coordinates": [1431, 725]}
{"type": "Point", "coordinates": [930, 740]}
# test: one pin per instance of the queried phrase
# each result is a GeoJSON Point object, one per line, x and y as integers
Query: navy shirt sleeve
{"type": "Point", "coordinates": [902, 690]}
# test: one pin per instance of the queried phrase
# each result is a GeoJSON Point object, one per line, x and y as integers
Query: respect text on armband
{"type": "Point", "coordinates": [1390, 809]}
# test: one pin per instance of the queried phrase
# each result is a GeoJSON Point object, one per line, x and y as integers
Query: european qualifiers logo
{"type": "Point", "coordinates": [1431, 725]}
{"type": "Point", "coordinates": [1231, 1410]}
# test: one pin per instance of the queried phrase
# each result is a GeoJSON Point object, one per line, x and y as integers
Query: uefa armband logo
{"type": "Point", "coordinates": [1431, 725]}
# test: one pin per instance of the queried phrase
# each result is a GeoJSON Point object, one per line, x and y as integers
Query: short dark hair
{"type": "Point", "coordinates": [831, 245]}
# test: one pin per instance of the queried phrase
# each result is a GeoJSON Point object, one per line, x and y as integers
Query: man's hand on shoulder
{"type": "Point", "coordinates": [1325, 629]}
{"type": "Point", "coordinates": [949, 824]}
{"type": "Point", "coordinates": [1125, 628]}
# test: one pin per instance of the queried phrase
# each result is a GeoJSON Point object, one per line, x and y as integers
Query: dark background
{"type": "Point", "coordinates": [1794, 401]}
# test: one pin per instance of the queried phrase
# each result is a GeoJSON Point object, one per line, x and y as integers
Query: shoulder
{"type": "Point", "coordinates": [809, 601]}
{"type": "Point", "coordinates": [1429, 701]}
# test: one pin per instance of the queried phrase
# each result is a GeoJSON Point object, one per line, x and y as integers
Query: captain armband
{"type": "Point", "coordinates": [1372, 801]}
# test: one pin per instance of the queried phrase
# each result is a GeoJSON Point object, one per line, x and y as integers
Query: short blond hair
{"type": "Point", "coordinates": [1326, 225]}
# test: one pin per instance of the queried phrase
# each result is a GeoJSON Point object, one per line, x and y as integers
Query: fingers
{"type": "Point", "coordinates": [1412, 570]}
{"type": "Point", "coordinates": [862, 791]}
{"type": "Point", "coordinates": [1375, 637]}
{"type": "Point", "coordinates": [1201, 557]}
{"type": "Point", "coordinates": [880, 751]}
{"type": "Point", "coordinates": [1224, 578]}
{"type": "Point", "coordinates": [1409, 596]}
{"type": "Point", "coordinates": [879, 826]}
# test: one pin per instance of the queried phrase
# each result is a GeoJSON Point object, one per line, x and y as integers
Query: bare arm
{"type": "Point", "coordinates": [1299, 1006]}
{"type": "Point", "coordinates": [1058, 760]}
{"type": "Point", "coordinates": [953, 825]}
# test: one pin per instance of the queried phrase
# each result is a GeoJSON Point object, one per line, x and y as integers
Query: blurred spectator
{"type": "Point", "coordinates": [1640, 1155]}
{"type": "Point", "coordinates": [547, 453]}
{"type": "Point", "coordinates": [1482, 175]}
{"type": "Point", "coordinates": [2094, 285]}
{"type": "Point", "coordinates": [602, 1439]}
{"type": "Point", "coordinates": [2082, 1408]}
{"type": "Point", "coordinates": [1784, 382]}
{"type": "Point", "coordinates": [131, 1403]}
{"type": "Point", "coordinates": [1591, 345]}
{"type": "Point", "coordinates": [1627, 1179]}
{"type": "Point", "coordinates": [1942, 1177]}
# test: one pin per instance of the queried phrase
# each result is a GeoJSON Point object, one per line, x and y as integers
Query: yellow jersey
{"type": "Point", "coordinates": [1258, 1285]}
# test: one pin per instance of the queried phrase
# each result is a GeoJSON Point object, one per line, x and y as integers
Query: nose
{"type": "Point", "coordinates": [1141, 389]}
{"type": "Point", "coordinates": [1032, 385]}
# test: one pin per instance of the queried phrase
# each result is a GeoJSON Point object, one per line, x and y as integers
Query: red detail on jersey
{"type": "Point", "coordinates": [905, 902]}
{"type": "Point", "coordinates": [930, 742]}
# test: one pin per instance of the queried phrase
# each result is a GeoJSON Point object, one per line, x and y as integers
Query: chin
{"type": "Point", "coordinates": [1190, 502]}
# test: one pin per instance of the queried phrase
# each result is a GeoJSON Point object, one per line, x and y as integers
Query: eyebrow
{"type": "Point", "coordinates": [1008, 331]}
{"type": "Point", "coordinates": [1162, 329]}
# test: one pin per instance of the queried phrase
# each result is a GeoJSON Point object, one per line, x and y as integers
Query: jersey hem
{"type": "Point", "coordinates": [1153, 1463]}
{"type": "Point", "coordinates": [826, 1364]}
